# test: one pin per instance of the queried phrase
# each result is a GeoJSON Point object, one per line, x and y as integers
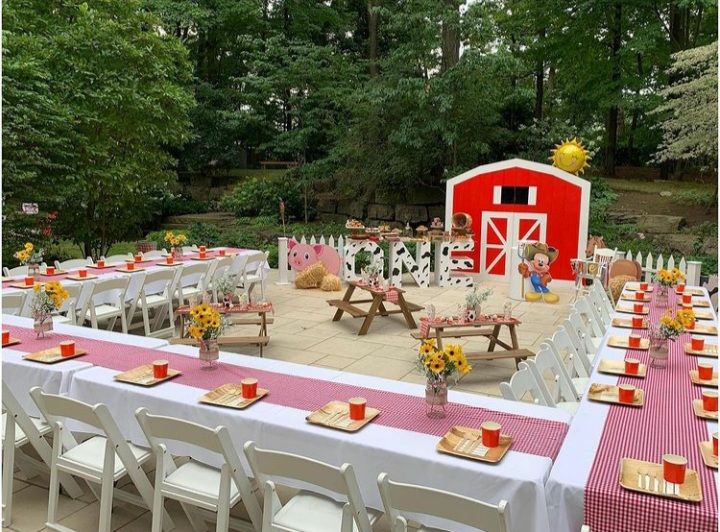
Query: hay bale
{"type": "Point", "coordinates": [311, 276]}
{"type": "Point", "coordinates": [617, 283]}
{"type": "Point", "coordinates": [330, 283]}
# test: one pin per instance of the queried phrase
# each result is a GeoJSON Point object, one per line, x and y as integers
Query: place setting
{"type": "Point", "coordinates": [8, 340]}
{"type": "Point", "coordinates": [237, 396]}
{"type": "Point", "coordinates": [81, 275]}
{"type": "Point", "coordinates": [709, 451]}
{"type": "Point", "coordinates": [100, 264]}
{"type": "Point", "coordinates": [638, 295]}
{"type": "Point", "coordinates": [486, 444]}
{"type": "Point", "coordinates": [639, 286]}
{"type": "Point", "coordinates": [704, 375]}
{"type": "Point", "coordinates": [633, 341]}
{"type": "Point", "coordinates": [707, 407]}
{"type": "Point", "coordinates": [635, 308]}
{"type": "Point", "coordinates": [630, 367]}
{"type": "Point", "coordinates": [51, 271]}
{"type": "Point", "coordinates": [622, 394]}
{"type": "Point", "coordinates": [348, 416]}
{"type": "Point", "coordinates": [27, 283]}
{"type": "Point", "coordinates": [130, 267]}
{"type": "Point", "coordinates": [60, 353]}
{"type": "Point", "coordinates": [671, 478]}
{"type": "Point", "coordinates": [148, 374]}
{"type": "Point", "coordinates": [636, 322]}
{"type": "Point", "coordinates": [697, 346]}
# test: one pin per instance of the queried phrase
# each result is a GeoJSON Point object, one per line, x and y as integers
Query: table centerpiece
{"type": "Point", "coordinates": [47, 299]}
{"type": "Point", "coordinates": [31, 257]}
{"type": "Point", "coordinates": [666, 279]}
{"type": "Point", "coordinates": [176, 241]}
{"type": "Point", "coordinates": [206, 325]}
{"type": "Point", "coordinates": [667, 330]}
{"type": "Point", "coordinates": [439, 366]}
{"type": "Point", "coordinates": [473, 302]}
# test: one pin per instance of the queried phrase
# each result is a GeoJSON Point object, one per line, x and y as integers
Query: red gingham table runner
{"type": "Point", "coordinates": [666, 424]}
{"type": "Point", "coordinates": [530, 435]}
{"type": "Point", "coordinates": [104, 271]}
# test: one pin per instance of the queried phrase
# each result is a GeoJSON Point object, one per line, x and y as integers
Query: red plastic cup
{"type": "Point", "coordinates": [687, 299]}
{"type": "Point", "coordinates": [638, 307]}
{"type": "Point", "coordinates": [644, 287]}
{"type": "Point", "coordinates": [357, 408]}
{"type": "Point", "coordinates": [715, 444]}
{"type": "Point", "coordinates": [221, 252]}
{"type": "Point", "coordinates": [249, 388]}
{"type": "Point", "coordinates": [632, 366]}
{"type": "Point", "coordinates": [697, 343]}
{"type": "Point", "coordinates": [130, 266]}
{"type": "Point", "coordinates": [5, 337]}
{"type": "Point", "coordinates": [29, 281]}
{"type": "Point", "coordinates": [50, 270]}
{"type": "Point", "coordinates": [710, 400]}
{"type": "Point", "coordinates": [681, 287]}
{"type": "Point", "coordinates": [705, 371]}
{"type": "Point", "coordinates": [82, 273]}
{"type": "Point", "coordinates": [138, 258]}
{"type": "Point", "coordinates": [640, 295]}
{"type": "Point", "coordinates": [67, 348]}
{"type": "Point", "coordinates": [160, 369]}
{"type": "Point", "coordinates": [101, 264]}
{"type": "Point", "coordinates": [637, 322]}
{"type": "Point", "coordinates": [634, 340]}
{"type": "Point", "coordinates": [202, 254]}
{"type": "Point", "coordinates": [626, 393]}
{"type": "Point", "coordinates": [674, 467]}
{"type": "Point", "coordinates": [170, 259]}
{"type": "Point", "coordinates": [202, 249]}
{"type": "Point", "coordinates": [490, 433]}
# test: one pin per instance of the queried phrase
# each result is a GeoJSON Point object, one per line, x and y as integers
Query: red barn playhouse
{"type": "Point", "coordinates": [517, 200]}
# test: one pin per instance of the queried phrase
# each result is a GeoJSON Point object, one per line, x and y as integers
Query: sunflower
{"type": "Point", "coordinates": [29, 246]}
{"type": "Point", "coordinates": [436, 364]}
{"type": "Point", "coordinates": [36, 288]}
{"type": "Point", "coordinates": [427, 347]}
{"type": "Point", "coordinates": [196, 332]}
{"type": "Point", "coordinates": [453, 350]}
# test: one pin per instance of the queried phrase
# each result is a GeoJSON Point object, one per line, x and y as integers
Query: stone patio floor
{"type": "Point", "coordinates": [304, 333]}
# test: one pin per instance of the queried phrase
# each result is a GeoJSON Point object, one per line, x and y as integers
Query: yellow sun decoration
{"type": "Point", "coordinates": [570, 156]}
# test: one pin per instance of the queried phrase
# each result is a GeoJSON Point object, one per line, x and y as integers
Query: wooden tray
{"type": "Point", "coordinates": [629, 310]}
{"type": "Point", "coordinates": [623, 342]}
{"type": "Point", "coordinates": [23, 286]}
{"type": "Point", "coordinates": [634, 287]}
{"type": "Point", "coordinates": [700, 315]}
{"type": "Point", "coordinates": [78, 278]}
{"type": "Point", "coordinates": [704, 303]}
{"type": "Point", "coordinates": [56, 272]}
{"type": "Point", "coordinates": [107, 266]}
{"type": "Point", "coordinates": [143, 376]}
{"type": "Point", "coordinates": [707, 455]}
{"type": "Point", "coordinates": [697, 380]}
{"type": "Point", "coordinates": [52, 355]}
{"type": "Point", "coordinates": [467, 443]}
{"type": "Point", "coordinates": [608, 393]}
{"type": "Point", "coordinates": [617, 367]}
{"type": "Point", "coordinates": [198, 258]}
{"type": "Point", "coordinates": [630, 479]}
{"type": "Point", "coordinates": [631, 297]}
{"type": "Point", "coordinates": [138, 261]}
{"type": "Point", "coordinates": [624, 323]}
{"type": "Point", "coordinates": [693, 291]}
{"type": "Point", "coordinates": [700, 328]}
{"type": "Point", "coordinates": [12, 341]}
{"type": "Point", "coordinates": [700, 412]}
{"type": "Point", "coordinates": [230, 396]}
{"type": "Point", "coordinates": [176, 263]}
{"type": "Point", "coordinates": [335, 415]}
{"type": "Point", "coordinates": [125, 270]}
{"type": "Point", "coordinates": [710, 350]}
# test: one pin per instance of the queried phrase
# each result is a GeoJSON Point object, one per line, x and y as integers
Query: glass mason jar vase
{"type": "Point", "coordinates": [658, 351]}
{"type": "Point", "coordinates": [436, 398]}
{"type": "Point", "coordinates": [209, 352]}
{"type": "Point", "coordinates": [42, 324]}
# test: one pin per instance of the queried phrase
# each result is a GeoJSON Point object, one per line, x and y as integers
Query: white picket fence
{"type": "Point", "coordinates": [650, 265]}
{"type": "Point", "coordinates": [691, 268]}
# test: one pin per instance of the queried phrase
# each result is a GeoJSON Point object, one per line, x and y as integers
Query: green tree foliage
{"type": "Point", "coordinates": [94, 95]}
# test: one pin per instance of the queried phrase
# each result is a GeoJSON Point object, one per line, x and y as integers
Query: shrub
{"type": "Point", "coordinates": [174, 204]}
{"type": "Point", "coordinates": [204, 234]}
{"type": "Point", "coordinates": [261, 197]}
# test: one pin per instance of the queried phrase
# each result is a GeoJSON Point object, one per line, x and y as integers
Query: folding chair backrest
{"type": "Point", "coordinates": [399, 497]}
{"type": "Point", "coordinates": [18, 271]}
{"type": "Point", "coordinates": [159, 282]}
{"type": "Point", "coordinates": [579, 334]}
{"type": "Point", "coordinates": [551, 375]}
{"type": "Point", "coordinates": [223, 265]}
{"type": "Point", "coordinates": [604, 255]}
{"type": "Point", "coordinates": [254, 262]}
{"type": "Point", "coordinates": [590, 315]}
{"type": "Point", "coordinates": [73, 264]}
{"type": "Point", "coordinates": [118, 259]}
{"type": "Point", "coordinates": [154, 254]}
{"type": "Point", "coordinates": [522, 382]}
{"type": "Point", "coordinates": [13, 303]}
{"type": "Point", "coordinates": [56, 407]}
{"type": "Point", "coordinates": [238, 265]}
{"type": "Point", "coordinates": [168, 428]}
{"type": "Point", "coordinates": [600, 302]}
{"type": "Point", "coordinates": [15, 410]}
{"type": "Point", "coordinates": [194, 274]}
{"type": "Point", "coordinates": [119, 284]}
{"type": "Point", "coordinates": [576, 363]}
{"type": "Point", "coordinates": [74, 291]}
{"type": "Point", "coordinates": [341, 480]}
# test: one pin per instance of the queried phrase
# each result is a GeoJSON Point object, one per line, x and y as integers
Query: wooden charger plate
{"type": "Point", "coordinates": [693, 291]}
{"type": "Point", "coordinates": [630, 479]}
{"type": "Point", "coordinates": [706, 450]}
{"type": "Point", "coordinates": [624, 342]}
{"type": "Point", "coordinates": [52, 355]}
{"type": "Point", "coordinates": [205, 258]}
{"type": "Point", "coordinates": [631, 297]}
{"type": "Point", "coordinates": [710, 350]}
{"type": "Point", "coordinates": [608, 393]}
{"type": "Point", "coordinates": [56, 272]}
{"type": "Point", "coordinates": [700, 315]}
{"type": "Point", "coordinates": [143, 376]}
{"type": "Point", "coordinates": [704, 303]}
{"type": "Point", "coordinates": [96, 267]}
{"type": "Point", "coordinates": [467, 443]}
{"type": "Point", "coordinates": [230, 396]}
{"type": "Point", "coordinates": [634, 287]}
{"type": "Point", "coordinates": [12, 341]}
{"type": "Point", "coordinates": [710, 330]}
{"type": "Point", "coordinates": [23, 286]}
{"type": "Point", "coordinates": [630, 310]}
{"type": "Point", "coordinates": [177, 263]}
{"type": "Point", "coordinates": [78, 278]}
{"type": "Point", "coordinates": [695, 378]}
{"type": "Point", "coordinates": [125, 270]}
{"type": "Point", "coordinates": [701, 412]}
{"type": "Point", "coordinates": [617, 367]}
{"type": "Point", "coordinates": [625, 323]}
{"type": "Point", "coordinates": [335, 415]}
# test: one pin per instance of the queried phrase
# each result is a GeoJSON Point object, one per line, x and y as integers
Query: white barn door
{"type": "Point", "coordinates": [499, 232]}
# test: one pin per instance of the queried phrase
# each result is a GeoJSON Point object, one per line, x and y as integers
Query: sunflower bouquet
{"type": "Point", "coordinates": [670, 277]}
{"type": "Point", "coordinates": [670, 327]}
{"type": "Point", "coordinates": [686, 317]}
{"type": "Point", "coordinates": [439, 365]}
{"type": "Point", "coordinates": [206, 323]}
{"type": "Point", "coordinates": [29, 255]}
{"type": "Point", "coordinates": [47, 299]}
{"type": "Point", "coordinates": [175, 240]}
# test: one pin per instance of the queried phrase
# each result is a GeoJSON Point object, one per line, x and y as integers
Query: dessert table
{"type": "Point", "coordinates": [377, 305]}
{"type": "Point", "coordinates": [401, 440]}
{"type": "Point", "coordinates": [583, 485]}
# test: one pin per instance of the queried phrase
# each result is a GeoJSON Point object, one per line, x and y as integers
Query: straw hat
{"type": "Point", "coordinates": [540, 247]}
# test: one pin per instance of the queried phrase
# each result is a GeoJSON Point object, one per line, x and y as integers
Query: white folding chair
{"type": "Point", "coordinates": [523, 383]}
{"type": "Point", "coordinates": [223, 267]}
{"type": "Point", "coordinates": [553, 380]}
{"type": "Point", "coordinates": [604, 255]}
{"type": "Point", "coordinates": [597, 299]}
{"type": "Point", "coordinates": [190, 249]}
{"type": "Point", "coordinates": [154, 254]}
{"type": "Point", "coordinates": [107, 302]}
{"type": "Point", "coordinates": [590, 315]}
{"type": "Point", "coordinates": [192, 281]}
{"type": "Point", "coordinates": [103, 459]}
{"type": "Point", "coordinates": [19, 271]}
{"type": "Point", "coordinates": [13, 303]}
{"type": "Point", "coordinates": [602, 297]}
{"type": "Point", "coordinates": [254, 272]}
{"type": "Point", "coordinates": [118, 259]}
{"type": "Point", "coordinates": [156, 293]}
{"type": "Point", "coordinates": [309, 510]}
{"type": "Point", "coordinates": [399, 497]}
{"type": "Point", "coordinates": [581, 335]}
{"type": "Point", "coordinates": [577, 364]}
{"type": "Point", "coordinates": [18, 431]}
{"type": "Point", "coordinates": [73, 264]}
{"type": "Point", "coordinates": [67, 313]}
{"type": "Point", "coordinates": [212, 489]}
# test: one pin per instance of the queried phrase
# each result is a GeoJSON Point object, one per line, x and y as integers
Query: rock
{"type": "Point", "coordinates": [356, 209]}
{"type": "Point", "coordinates": [381, 211]}
{"type": "Point", "coordinates": [660, 223]}
{"type": "Point", "coordinates": [411, 213]}
{"type": "Point", "coordinates": [676, 243]}
{"type": "Point", "coordinates": [666, 194]}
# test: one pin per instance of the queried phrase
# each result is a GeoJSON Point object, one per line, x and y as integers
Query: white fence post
{"type": "Point", "coordinates": [282, 260]}
{"type": "Point", "coordinates": [692, 277]}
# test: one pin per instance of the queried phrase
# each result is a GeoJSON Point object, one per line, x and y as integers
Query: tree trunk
{"type": "Point", "coordinates": [539, 79]}
{"type": "Point", "coordinates": [373, 25]}
{"type": "Point", "coordinates": [612, 116]}
{"type": "Point", "coordinates": [450, 37]}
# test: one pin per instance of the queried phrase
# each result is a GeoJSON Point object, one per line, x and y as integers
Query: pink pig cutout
{"type": "Point", "coordinates": [301, 256]}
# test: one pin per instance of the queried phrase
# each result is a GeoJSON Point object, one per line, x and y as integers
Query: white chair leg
{"type": "Point", "coordinates": [8, 470]}
{"type": "Point", "coordinates": [146, 318]}
{"type": "Point", "coordinates": [223, 511]}
{"type": "Point", "coordinates": [107, 489]}
{"type": "Point", "coordinates": [54, 485]}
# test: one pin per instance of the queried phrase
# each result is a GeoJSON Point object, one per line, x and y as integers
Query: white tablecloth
{"type": "Point", "coordinates": [407, 456]}
{"type": "Point", "coordinates": [566, 485]}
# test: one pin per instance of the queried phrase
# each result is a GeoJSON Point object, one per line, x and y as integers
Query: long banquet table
{"type": "Point", "coordinates": [400, 441]}
{"type": "Point", "coordinates": [583, 486]}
